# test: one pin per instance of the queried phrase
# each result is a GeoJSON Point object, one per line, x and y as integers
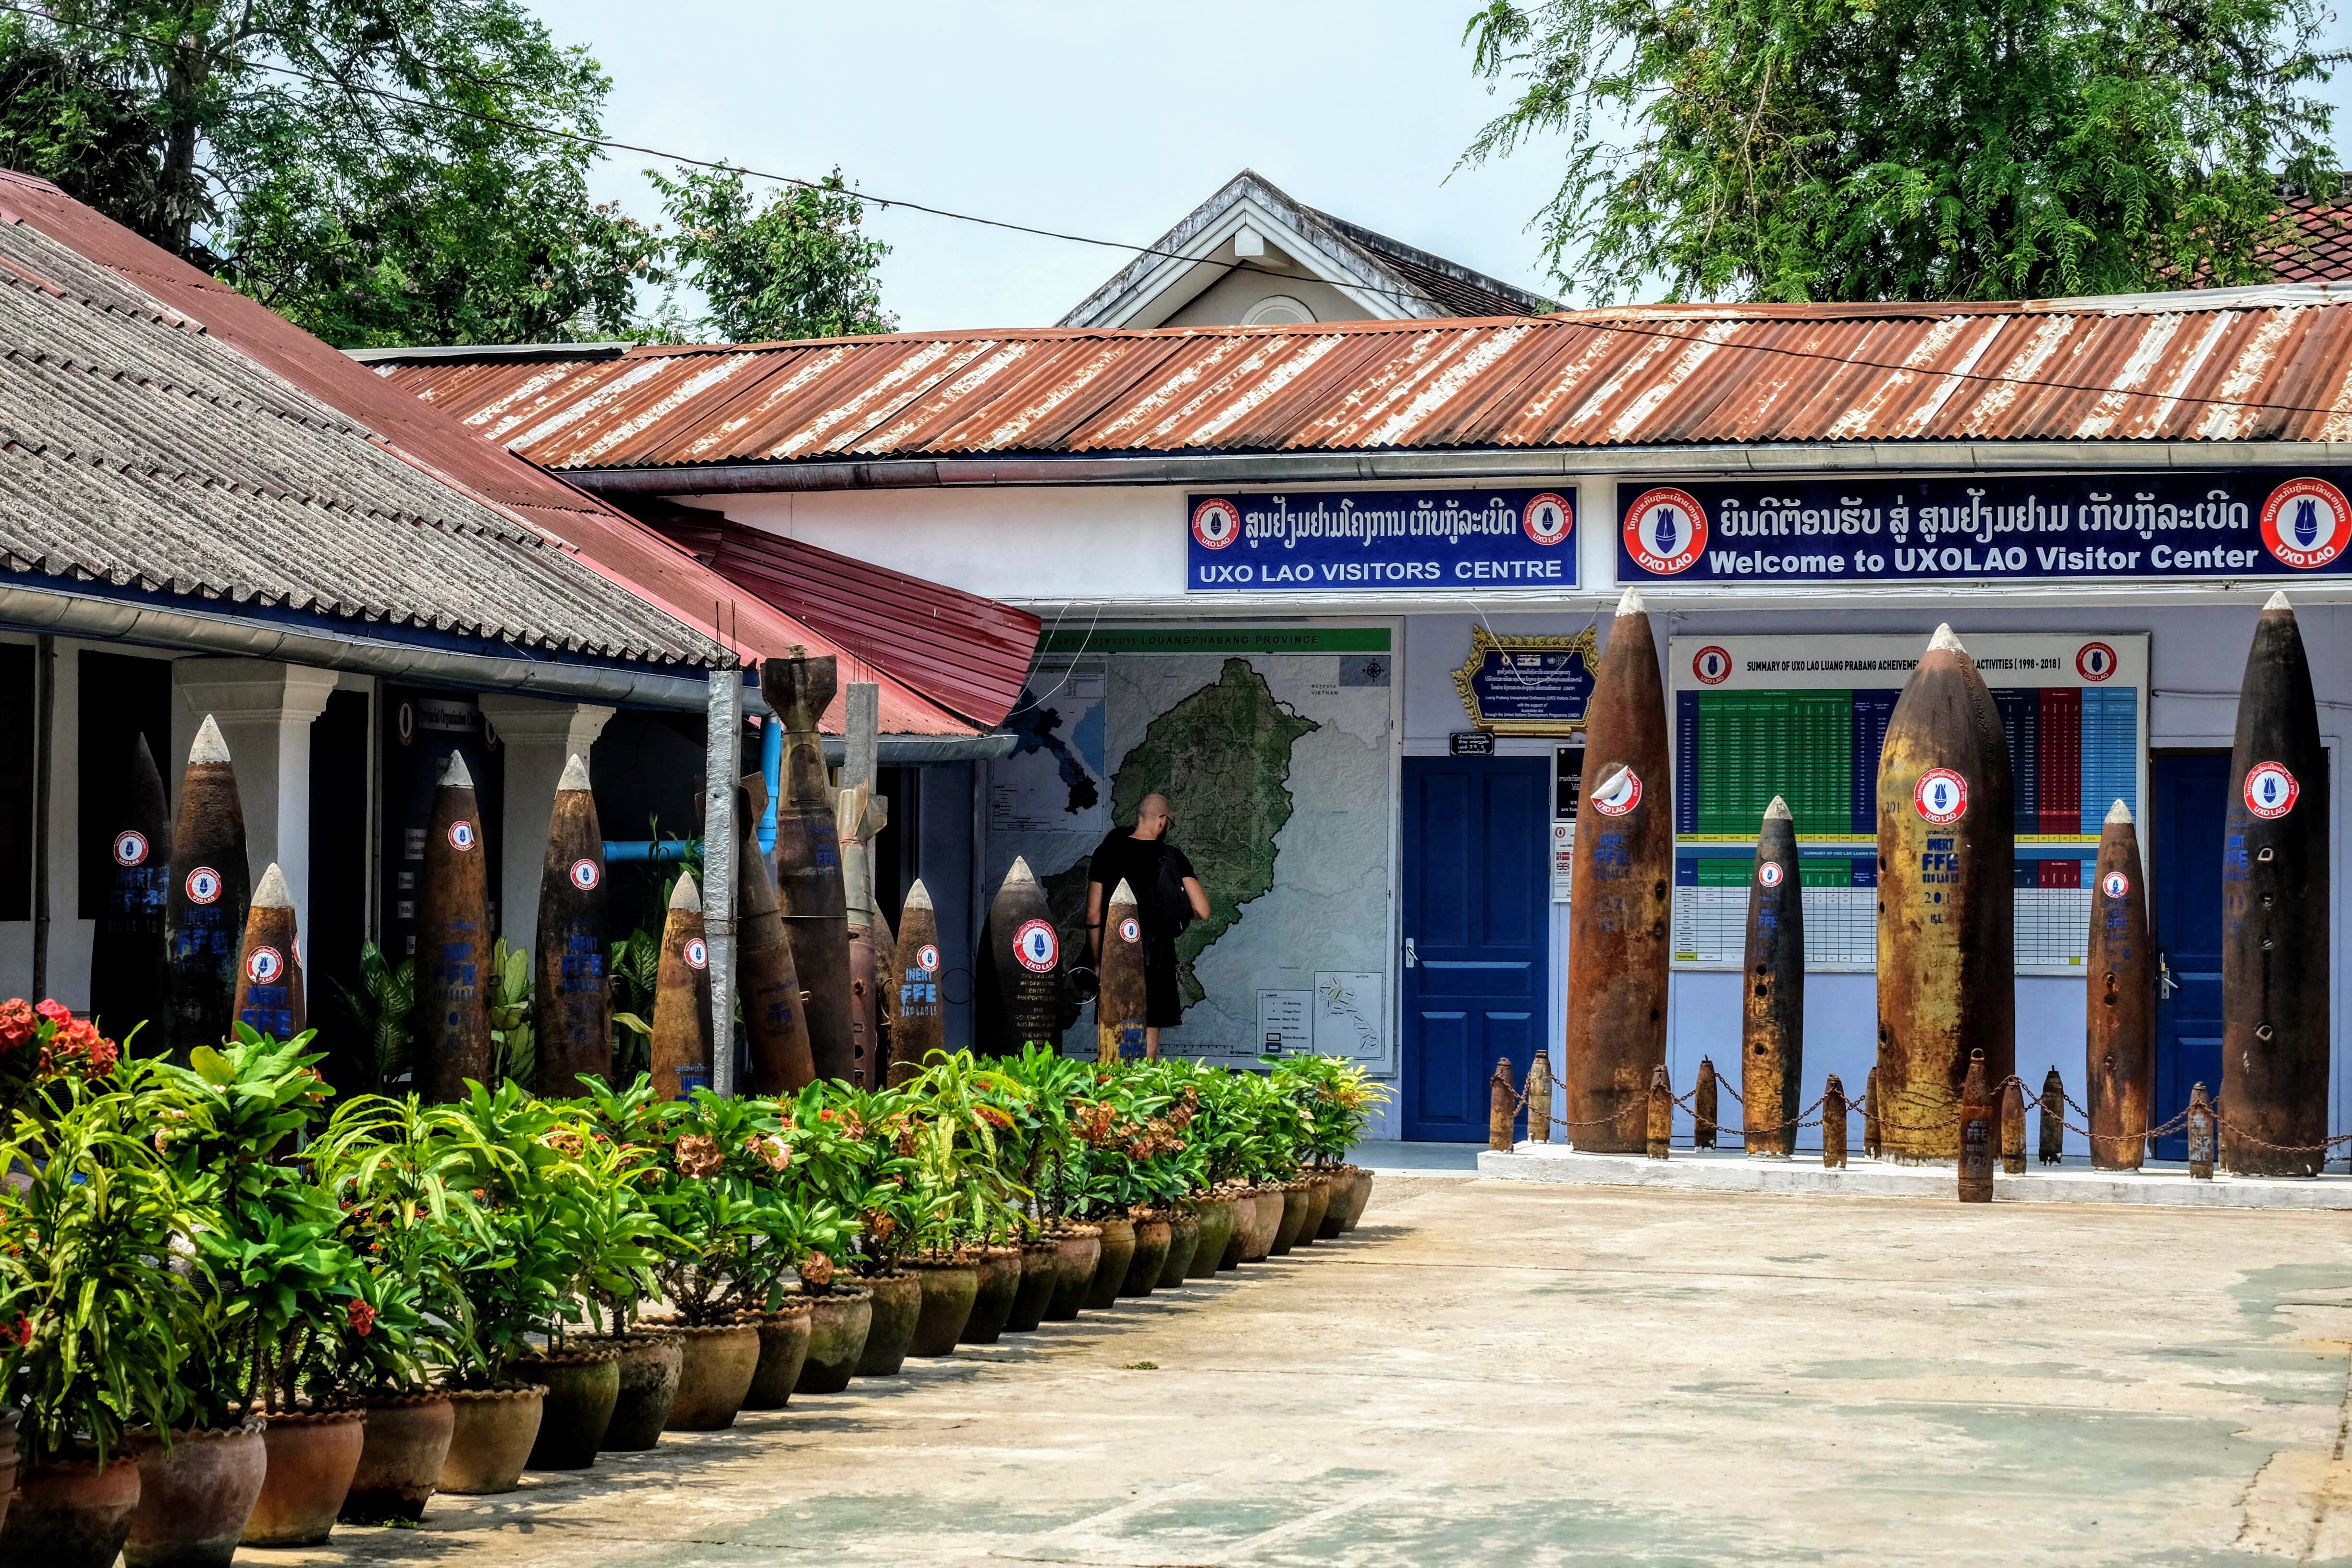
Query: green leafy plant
{"type": "Point", "coordinates": [513, 1042]}
{"type": "Point", "coordinates": [379, 1011]}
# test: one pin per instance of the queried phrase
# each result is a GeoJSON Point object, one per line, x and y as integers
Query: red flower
{"type": "Point", "coordinates": [362, 1318]}
{"type": "Point", "coordinates": [22, 1333]}
{"type": "Point", "coordinates": [55, 1011]}
{"type": "Point", "coordinates": [16, 1023]}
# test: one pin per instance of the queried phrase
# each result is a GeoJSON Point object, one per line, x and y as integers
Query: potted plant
{"type": "Point", "coordinates": [831, 1159]}
{"type": "Point", "coordinates": [964, 1201]}
{"type": "Point", "coordinates": [895, 1212]}
{"type": "Point", "coordinates": [626, 1124]}
{"type": "Point", "coordinates": [1033, 1148]}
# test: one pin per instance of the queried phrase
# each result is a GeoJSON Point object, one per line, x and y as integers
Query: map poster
{"type": "Point", "coordinates": [1282, 1021]}
{"type": "Point", "coordinates": [1349, 1012]}
{"type": "Point", "coordinates": [1053, 781]}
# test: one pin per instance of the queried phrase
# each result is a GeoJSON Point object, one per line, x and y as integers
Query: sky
{"type": "Point", "coordinates": [1111, 120]}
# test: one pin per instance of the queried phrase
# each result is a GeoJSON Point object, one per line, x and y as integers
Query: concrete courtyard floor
{"type": "Point", "coordinates": [1509, 1372]}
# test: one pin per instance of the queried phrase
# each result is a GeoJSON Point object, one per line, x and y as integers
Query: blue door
{"type": "Point", "coordinates": [1477, 921]}
{"type": "Point", "coordinates": [2191, 790]}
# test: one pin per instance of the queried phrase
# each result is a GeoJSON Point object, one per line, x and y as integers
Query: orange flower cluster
{"type": "Point", "coordinates": [566, 1142]}
{"type": "Point", "coordinates": [879, 1226]}
{"type": "Point", "coordinates": [68, 1044]}
{"type": "Point", "coordinates": [1093, 1120]}
{"type": "Point", "coordinates": [362, 1318]}
{"type": "Point", "coordinates": [774, 1152]}
{"type": "Point", "coordinates": [816, 1271]}
{"type": "Point", "coordinates": [1157, 1136]}
{"type": "Point", "coordinates": [699, 1155]}
{"type": "Point", "coordinates": [993, 1117]}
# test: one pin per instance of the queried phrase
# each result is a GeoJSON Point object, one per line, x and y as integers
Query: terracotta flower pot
{"type": "Point", "coordinates": [783, 1348]}
{"type": "Point", "coordinates": [1294, 1214]}
{"type": "Point", "coordinates": [69, 1513]}
{"type": "Point", "coordinates": [839, 1323]}
{"type": "Point", "coordinates": [897, 1307]}
{"type": "Point", "coordinates": [720, 1361]}
{"type": "Point", "coordinates": [650, 1363]}
{"type": "Point", "coordinates": [195, 1497]}
{"type": "Point", "coordinates": [314, 1455]}
{"type": "Point", "coordinates": [1080, 1246]}
{"type": "Point", "coordinates": [949, 1290]}
{"type": "Point", "coordinates": [8, 1461]}
{"type": "Point", "coordinates": [1151, 1238]}
{"type": "Point", "coordinates": [1244, 1212]}
{"type": "Point", "coordinates": [1110, 1273]}
{"type": "Point", "coordinates": [1272, 1201]}
{"type": "Point", "coordinates": [583, 1384]}
{"type": "Point", "coordinates": [1041, 1270]}
{"type": "Point", "coordinates": [1184, 1241]}
{"type": "Point", "coordinates": [1319, 1209]}
{"type": "Point", "coordinates": [991, 1301]}
{"type": "Point", "coordinates": [401, 1455]}
{"type": "Point", "coordinates": [1216, 1217]}
{"type": "Point", "coordinates": [492, 1438]}
{"type": "Point", "coordinates": [1359, 1192]}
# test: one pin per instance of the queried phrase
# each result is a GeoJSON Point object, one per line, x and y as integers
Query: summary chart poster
{"type": "Point", "coordinates": [1328, 542]}
{"type": "Point", "coordinates": [1981, 528]}
{"type": "Point", "coordinates": [1805, 718]}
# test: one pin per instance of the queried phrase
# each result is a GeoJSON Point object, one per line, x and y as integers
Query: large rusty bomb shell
{"type": "Point", "coordinates": [1772, 1010]}
{"type": "Point", "coordinates": [1619, 941]}
{"type": "Point", "coordinates": [452, 943]}
{"type": "Point", "coordinates": [775, 1019]}
{"type": "Point", "coordinates": [886, 992]}
{"type": "Point", "coordinates": [2119, 1025]}
{"type": "Point", "coordinates": [126, 953]}
{"type": "Point", "coordinates": [1947, 984]}
{"type": "Point", "coordinates": [918, 1025]}
{"type": "Point", "coordinates": [2274, 914]}
{"type": "Point", "coordinates": [204, 911]}
{"type": "Point", "coordinates": [1119, 1005]}
{"type": "Point", "coordinates": [809, 888]}
{"type": "Point", "coordinates": [572, 1006]}
{"type": "Point", "coordinates": [681, 1042]}
{"type": "Point", "coordinates": [269, 966]}
{"type": "Point", "coordinates": [1018, 978]}
{"type": "Point", "coordinates": [865, 1013]}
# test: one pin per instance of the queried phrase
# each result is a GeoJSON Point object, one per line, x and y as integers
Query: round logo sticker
{"type": "Point", "coordinates": [129, 847]}
{"type": "Point", "coordinates": [461, 835]}
{"type": "Point", "coordinates": [697, 952]}
{"type": "Point", "coordinates": [1665, 531]}
{"type": "Point", "coordinates": [1216, 522]}
{"type": "Point", "coordinates": [263, 965]}
{"type": "Point", "coordinates": [1037, 946]}
{"type": "Point", "coordinates": [586, 876]}
{"type": "Point", "coordinates": [1769, 873]}
{"type": "Point", "coordinates": [1130, 930]}
{"type": "Point", "coordinates": [1941, 795]}
{"type": "Point", "coordinates": [1712, 665]}
{"type": "Point", "coordinates": [2114, 884]}
{"type": "Point", "coordinates": [2094, 661]}
{"type": "Point", "coordinates": [1546, 518]}
{"type": "Point", "coordinates": [927, 958]}
{"type": "Point", "coordinates": [204, 884]}
{"type": "Point", "coordinates": [2271, 790]}
{"type": "Point", "coordinates": [1620, 794]}
{"type": "Point", "coordinates": [2306, 523]}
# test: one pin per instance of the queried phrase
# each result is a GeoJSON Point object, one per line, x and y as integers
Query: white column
{"type": "Point", "coordinates": [722, 766]}
{"type": "Point", "coordinates": [264, 711]}
{"type": "Point", "coordinates": [539, 737]}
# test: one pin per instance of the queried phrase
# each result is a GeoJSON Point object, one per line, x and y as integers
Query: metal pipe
{"type": "Point", "coordinates": [630, 851]}
{"type": "Point", "coordinates": [771, 772]}
{"type": "Point", "coordinates": [45, 749]}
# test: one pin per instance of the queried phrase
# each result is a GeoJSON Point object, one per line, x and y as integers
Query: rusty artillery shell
{"type": "Point", "coordinates": [1977, 1134]}
{"type": "Point", "coordinates": [2053, 1118]}
{"type": "Point", "coordinates": [1833, 1114]}
{"type": "Point", "coordinates": [918, 1026]}
{"type": "Point", "coordinates": [809, 888]}
{"type": "Point", "coordinates": [205, 908]}
{"type": "Point", "coordinates": [126, 953]}
{"type": "Point", "coordinates": [1119, 1005]}
{"type": "Point", "coordinates": [859, 816]}
{"type": "Point", "coordinates": [1872, 1144]}
{"type": "Point", "coordinates": [1623, 875]}
{"type": "Point", "coordinates": [865, 1018]}
{"type": "Point", "coordinates": [1502, 1107]}
{"type": "Point", "coordinates": [1539, 1093]}
{"type": "Point", "coordinates": [2274, 914]}
{"type": "Point", "coordinates": [681, 1042]}
{"type": "Point", "coordinates": [2012, 1128]}
{"type": "Point", "coordinates": [775, 1016]}
{"type": "Point", "coordinates": [886, 992]}
{"type": "Point", "coordinates": [269, 967]}
{"type": "Point", "coordinates": [1660, 1107]}
{"type": "Point", "coordinates": [1946, 903]}
{"type": "Point", "coordinates": [452, 943]}
{"type": "Point", "coordinates": [1703, 1106]}
{"type": "Point", "coordinates": [1017, 979]}
{"type": "Point", "coordinates": [2119, 1027]}
{"type": "Point", "coordinates": [572, 1007]}
{"type": "Point", "coordinates": [2200, 1135]}
{"type": "Point", "coordinates": [1772, 1011]}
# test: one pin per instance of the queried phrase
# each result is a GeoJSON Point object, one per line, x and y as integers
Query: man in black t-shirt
{"type": "Point", "coordinates": [1143, 858]}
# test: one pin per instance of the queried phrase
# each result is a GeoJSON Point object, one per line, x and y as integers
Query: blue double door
{"type": "Point", "coordinates": [1476, 927]}
{"type": "Point", "coordinates": [2192, 794]}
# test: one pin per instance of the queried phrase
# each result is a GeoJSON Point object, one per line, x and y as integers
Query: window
{"type": "Point", "coordinates": [1277, 311]}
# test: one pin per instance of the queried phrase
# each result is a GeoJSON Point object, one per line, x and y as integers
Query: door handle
{"type": "Point", "coordinates": [2163, 979]}
{"type": "Point", "coordinates": [1412, 959]}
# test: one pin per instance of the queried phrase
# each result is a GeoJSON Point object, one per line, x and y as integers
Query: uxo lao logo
{"type": "Point", "coordinates": [1546, 518]}
{"type": "Point", "coordinates": [2094, 661]}
{"type": "Point", "coordinates": [1216, 522]}
{"type": "Point", "coordinates": [1665, 531]}
{"type": "Point", "coordinates": [1037, 946]}
{"type": "Point", "coordinates": [2306, 523]}
{"type": "Point", "coordinates": [1712, 665]}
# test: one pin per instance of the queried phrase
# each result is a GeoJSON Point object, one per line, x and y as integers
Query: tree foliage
{"type": "Point", "coordinates": [1795, 149]}
{"type": "Point", "coordinates": [800, 265]}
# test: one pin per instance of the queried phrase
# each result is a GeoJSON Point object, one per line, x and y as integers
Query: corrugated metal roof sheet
{"type": "Point", "coordinates": [2269, 363]}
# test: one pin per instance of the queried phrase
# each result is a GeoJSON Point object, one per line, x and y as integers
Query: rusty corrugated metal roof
{"type": "Point", "coordinates": [2267, 363]}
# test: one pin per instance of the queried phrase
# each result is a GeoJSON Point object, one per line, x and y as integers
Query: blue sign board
{"type": "Point", "coordinates": [1381, 541]}
{"type": "Point", "coordinates": [2169, 527]}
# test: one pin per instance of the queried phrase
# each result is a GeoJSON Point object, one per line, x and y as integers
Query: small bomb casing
{"type": "Point", "coordinates": [269, 969]}
{"type": "Point", "coordinates": [1833, 1114]}
{"type": "Point", "coordinates": [1538, 1096]}
{"type": "Point", "coordinates": [126, 954]}
{"type": "Point", "coordinates": [1703, 1106]}
{"type": "Point", "coordinates": [1619, 943]}
{"type": "Point", "coordinates": [809, 890]}
{"type": "Point", "coordinates": [775, 1014]}
{"type": "Point", "coordinates": [572, 1006]}
{"type": "Point", "coordinates": [452, 943]}
{"type": "Point", "coordinates": [205, 908]}
{"type": "Point", "coordinates": [1946, 903]}
{"type": "Point", "coordinates": [859, 816]}
{"type": "Point", "coordinates": [2053, 1118]}
{"type": "Point", "coordinates": [1659, 1117]}
{"type": "Point", "coordinates": [1772, 1010]}
{"type": "Point", "coordinates": [2119, 1001]}
{"type": "Point", "coordinates": [2274, 914]}
{"type": "Point", "coordinates": [919, 1025]}
{"type": "Point", "coordinates": [1018, 984]}
{"type": "Point", "coordinates": [1502, 1107]}
{"type": "Point", "coordinates": [2200, 1134]}
{"type": "Point", "coordinates": [2012, 1128]}
{"type": "Point", "coordinates": [1872, 1146]}
{"type": "Point", "coordinates": [681, 1039]}
{"type": "Point", "coordinates": [1977, 1134]}
{"type": "Point", "coordinates": [1119, 1005]}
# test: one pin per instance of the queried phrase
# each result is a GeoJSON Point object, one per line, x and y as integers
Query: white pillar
{"type": "Point", "coordinates": [722, 766]}
{"type": "Point", "coordinates": [537, 737]}
{"type": "Point", "coordinates": [264, 711]}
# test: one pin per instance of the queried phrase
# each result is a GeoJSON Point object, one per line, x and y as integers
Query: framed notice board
{"type": "Point", "coordinates": [1803, 717]}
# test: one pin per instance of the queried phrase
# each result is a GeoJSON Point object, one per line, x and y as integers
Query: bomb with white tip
{"type": "Point", "coordinates": [681, 1022]}
{"type": "Point", "coordinates": [269, 968]}
{"type": "Point", "coordinates": [572, 1003]}
{"type": "Point", "coordinates": [1772, 1010]}
{"type": "Point", "coordinates": [453, 942]}
{"type": "Point", "coordinates": [2119, 1013]}
{"type": "Point", "coordinates": [1017, 980]}
{"type": "Point", "coordinates": [205, 904]}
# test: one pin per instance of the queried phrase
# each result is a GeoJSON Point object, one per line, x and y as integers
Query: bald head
{"type": "Point", "coordinates": [1151, 817]}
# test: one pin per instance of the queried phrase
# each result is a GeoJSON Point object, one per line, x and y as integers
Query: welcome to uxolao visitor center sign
{"type": "Point", "coordinates": [1381, 541]}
